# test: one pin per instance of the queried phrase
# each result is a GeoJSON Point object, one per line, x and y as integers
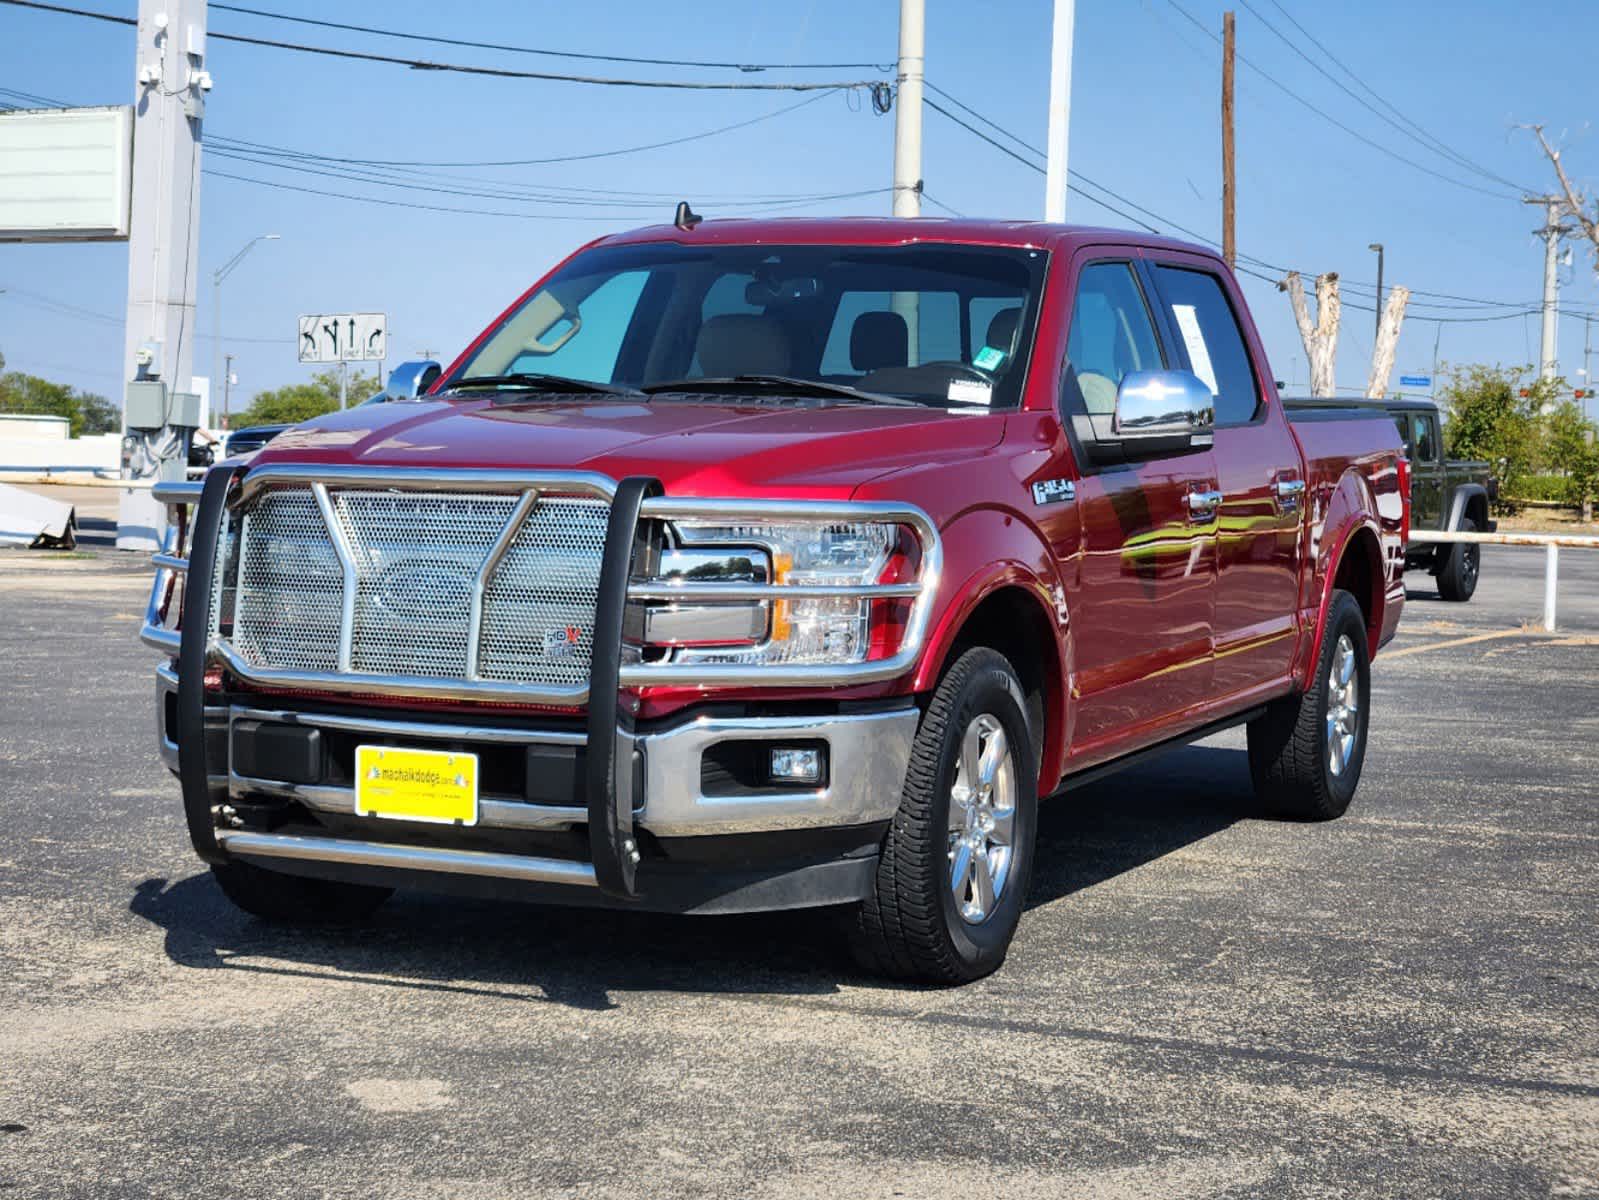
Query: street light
{"type": "Point", "coordinates": [217, 277]}
{"type": "Point", "coordinates": [1377, 247]}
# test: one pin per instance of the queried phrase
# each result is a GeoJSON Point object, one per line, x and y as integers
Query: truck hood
{"type": "Point", "coordinates": [694, 448]}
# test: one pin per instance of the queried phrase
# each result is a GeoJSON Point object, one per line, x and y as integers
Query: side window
{"type": "Point", "coordinates": [1209, 330]}
{"type": "Point", "coordinates": [1402, 423]}
{"type": "Point", "coordinates": [1112, 335]}
{"type": "Point", "coordinates": [1426, 441]}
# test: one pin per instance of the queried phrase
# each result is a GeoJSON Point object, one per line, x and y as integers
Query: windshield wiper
{"type": "Point", "coordinates": [533, 381]}
{"type": "Point", "coordinates": [786, 385]}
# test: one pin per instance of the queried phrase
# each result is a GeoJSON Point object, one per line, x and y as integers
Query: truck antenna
{"type": "Point", "coordinates": [686, 217]}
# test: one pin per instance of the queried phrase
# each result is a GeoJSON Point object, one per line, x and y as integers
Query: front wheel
{"type": "Point", "coordinates": [1306, 751]}
{"type": "Point", "coordinates": [955, 865]}
{"type": "Point", "coordinates": [1457, 577]}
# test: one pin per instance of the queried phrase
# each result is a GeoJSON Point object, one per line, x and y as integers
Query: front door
{"type": "Point", "coordinates": [1259, 471]}
{"type": "Point", "coordinates": [1143, 581]}
{"type": "Point", "coordinates": [1426, 473]}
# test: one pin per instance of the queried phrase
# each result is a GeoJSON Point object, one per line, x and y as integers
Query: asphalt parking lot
{"type": "Point", "coordinates": [1200, 1004]}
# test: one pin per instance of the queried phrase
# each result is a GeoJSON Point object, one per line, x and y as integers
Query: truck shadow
{"type": "Point", "coordinates": [585, 958]}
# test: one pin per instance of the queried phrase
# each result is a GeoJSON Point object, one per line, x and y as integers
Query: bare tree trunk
{"type": "Point", "coordinates": [1321, 339]}
{"type": "Point", "coordinates": [1382, 354]}
{"type": "Point", "coordinates": [1576, 202]}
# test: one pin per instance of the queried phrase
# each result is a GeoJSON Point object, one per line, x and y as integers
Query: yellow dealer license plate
{"type": "Point", "coordinates": [416, 785]}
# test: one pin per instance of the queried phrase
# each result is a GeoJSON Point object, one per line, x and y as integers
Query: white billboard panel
{"type": "Point", "coordinates": [65, 174]}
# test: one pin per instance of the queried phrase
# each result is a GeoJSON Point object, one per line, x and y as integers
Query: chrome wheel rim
{"type": "Point", "coordinates": [982, 819]}
{"type": "Point", "coordinates": [1343, 706]}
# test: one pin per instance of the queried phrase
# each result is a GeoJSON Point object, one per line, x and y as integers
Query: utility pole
{"type": "Point", "coordinates": [163, 232]}
{"type": "Point", "coordinates": [1552, 232]}
{"type": "Point", "coordinates": [1056, 178]}
{"type": "Point", "coordinates": [227, 386]}
{"type": "Point", "coordinates": [1229, 184]}
{"type": "Point", "coordinates": [908, 109]}
{"type": "Point", "coordinates": [1377, 247]}
{"type": "Point", "coordinates": [1587, 362]}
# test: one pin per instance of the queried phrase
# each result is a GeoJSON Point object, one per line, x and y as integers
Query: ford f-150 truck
{"type": "Point", "coordinates": [761, 564]}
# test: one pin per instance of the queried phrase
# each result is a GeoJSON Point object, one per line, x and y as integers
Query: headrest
{"type": "Point", "coordinates": [1002, 329]}
{"type": "Point", "coordinates": [879, 339]}
{"type": "Point", "coordinates": [743, 344]}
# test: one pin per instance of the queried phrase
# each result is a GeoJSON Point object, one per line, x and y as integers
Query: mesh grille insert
{"type": "Point", "coordinates": [417, 557]}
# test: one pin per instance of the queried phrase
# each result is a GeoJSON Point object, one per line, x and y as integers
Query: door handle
{"type": "Point", "coordinates": [1288, 493]}
{"type": "Point", "coordinates": [1202, 504]}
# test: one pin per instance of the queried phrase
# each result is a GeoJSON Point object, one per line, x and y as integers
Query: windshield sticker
{"type": "Point", "coordinates": [971, 391]}
{"type": "Point", "coordinates": [1194, 340]}
{"type": "Point", "coordinates": [988, 358]}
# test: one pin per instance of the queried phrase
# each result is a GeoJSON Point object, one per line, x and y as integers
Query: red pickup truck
{"type": "Point", "coordinates": [763, 564]}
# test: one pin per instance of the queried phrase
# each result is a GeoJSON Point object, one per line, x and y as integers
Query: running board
{"type": "Point", "coordinates": [409, 858]}
{"type": "Point", "coordinates": [1099, 771]}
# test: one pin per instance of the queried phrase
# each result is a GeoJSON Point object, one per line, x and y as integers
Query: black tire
{"type": "Point", "coordinates": [296, 899]}
{"type": "Point", "coordinates": [1457, 577]}
{"type": "Point", "coordinates": [910, 927]}
{"type": "Point", "coordinates": [1290, 746]}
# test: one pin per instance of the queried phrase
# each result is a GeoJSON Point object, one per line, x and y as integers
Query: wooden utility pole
{"type": "Point", "coordinates": [1229, 184]}
{"type": "Point", "coordinates": [1321, 339]}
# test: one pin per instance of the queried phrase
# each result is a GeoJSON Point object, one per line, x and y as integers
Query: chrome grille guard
{"type": "Point", "coordinates": [633, 503]}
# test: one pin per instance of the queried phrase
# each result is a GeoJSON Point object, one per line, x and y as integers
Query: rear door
{"type": "Point", "coordinates": [1258, 467]}
{"type": "Point", "coordinates": [1145, 576]}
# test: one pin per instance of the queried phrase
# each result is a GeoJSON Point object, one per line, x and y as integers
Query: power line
{"type": "Point", "coordinates": [1328, 117]}
{"type": "Point", "coordinates": [572, 54]}
{"type": "Point", "coordinates": [1441, 146]}
{"type": "Point", "coordinates": [538, 162]}
{"type": "Point", "coordinates": [417, 64]}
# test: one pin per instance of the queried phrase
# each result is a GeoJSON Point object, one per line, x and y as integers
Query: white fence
{"type": "Point", "coordinates": [1551, 542]}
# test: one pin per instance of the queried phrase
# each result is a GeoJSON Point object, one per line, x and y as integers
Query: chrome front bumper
{"type": "Point", "coordinates": [867, 753]}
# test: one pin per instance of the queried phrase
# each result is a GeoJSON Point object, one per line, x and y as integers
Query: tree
{"type": "Point", "coordinates": [1493, 415]}
{"type": "Point", "coordinates": [99, 414]}
{"type": "Point", "coordinates": [1569, 448]}
{"type": "Point", "coordinates": [299, 402]}
{"type": "Point", "coordinates": [1577, 204]}
{"type": "Point", "coordinates": [20, 393]}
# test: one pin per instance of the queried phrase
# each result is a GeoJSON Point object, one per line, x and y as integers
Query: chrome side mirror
{"type": "Point", "coordinates": [412, 379]}
{"type": "Point", "coordinates": [1169, 410]}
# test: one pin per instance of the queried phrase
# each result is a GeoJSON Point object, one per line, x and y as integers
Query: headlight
{"type": "Point", "coordinates": [718, 594]}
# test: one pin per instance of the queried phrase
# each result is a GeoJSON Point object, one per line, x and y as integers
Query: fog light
{"type": "Point", "coordinates": [790, 764]}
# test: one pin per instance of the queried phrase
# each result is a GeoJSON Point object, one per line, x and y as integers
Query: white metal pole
{"type": "Point", "coordinates": [908, 109]}
{"type": "Point", "coordinates": [1060, 109]}
{"type": "Point", "coordinates": [1548, 356]}
{"type": "Point", "coordinates": [1551, 579]}
{"type": "Point", "coordinates": [163, 229]}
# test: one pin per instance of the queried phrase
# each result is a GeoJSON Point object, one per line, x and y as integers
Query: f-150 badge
{"type": "Point", "coordinates": [1054, 491]}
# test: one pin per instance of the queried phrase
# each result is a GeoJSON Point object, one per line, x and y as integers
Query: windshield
{"type": "Point", "coordinates": [940, 324]}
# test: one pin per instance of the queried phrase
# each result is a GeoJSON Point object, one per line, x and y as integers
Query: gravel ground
{"type": "Point", "coordinates": [1199, 1004]}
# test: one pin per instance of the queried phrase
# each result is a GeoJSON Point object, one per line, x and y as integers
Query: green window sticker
{"type": "Point", "coordinates": [988, 358]}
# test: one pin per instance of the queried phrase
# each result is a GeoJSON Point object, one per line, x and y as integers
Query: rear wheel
{"type": "Point", "coordinates": [1306, 751]}
{"type": "Point", "coordinates": [955, 865]}
{"type": "Point", "coordinates": [296, 899]}
{"type": "Point", "coordinates": [1457, 577]}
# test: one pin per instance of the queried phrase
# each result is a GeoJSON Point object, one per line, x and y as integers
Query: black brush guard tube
{"type": "Point", "coordinates": [611, 776]}
{"type": "Point", "coordinates": [194, 772]}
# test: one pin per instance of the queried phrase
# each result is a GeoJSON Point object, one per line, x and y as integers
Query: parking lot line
{"type": "Point", "coordinates": [1465, 641]}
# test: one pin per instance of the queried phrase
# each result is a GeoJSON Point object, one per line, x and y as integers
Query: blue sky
{"type": "Point", "coordinates": [1144, 123]}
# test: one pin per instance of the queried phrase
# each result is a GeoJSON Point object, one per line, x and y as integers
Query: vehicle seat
{"type": "Point", "coordinates": [743, 344]}
{"type": "Point", "coordinates": [877, 340]}
{"type": "Point", "coordinates": [1002, 332]}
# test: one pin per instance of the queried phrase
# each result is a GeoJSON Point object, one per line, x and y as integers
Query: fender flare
{"type": "Point", "coordinates": [1347, 533]}
{"type": "Point", "coordinates": [993, 573]}
{"type": "Point", "coordinates": [1464, 494]}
